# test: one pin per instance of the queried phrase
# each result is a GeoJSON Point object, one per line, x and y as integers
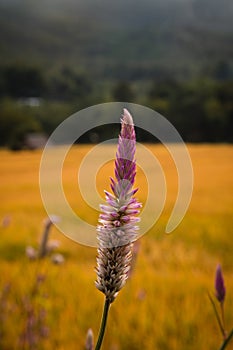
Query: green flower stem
{"type": "Point", "coordinates": [226, 341]}
{"type": "Point", "coordinates": [217, 316]}
{"type": "Point", "coordinates": [223, 317]}
{"type": "Point", "coordinates": [103, 324]}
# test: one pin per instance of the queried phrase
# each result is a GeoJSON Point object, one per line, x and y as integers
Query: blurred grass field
{"type": "Point", "coordinates": [164, 305]}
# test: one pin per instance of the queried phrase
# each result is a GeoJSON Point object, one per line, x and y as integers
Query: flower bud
{"type": "Point", "coordinates": [220, 290]}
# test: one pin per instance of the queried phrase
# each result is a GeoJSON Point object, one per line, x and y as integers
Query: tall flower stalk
{"type": "Point", "coordinates": [117, 229]}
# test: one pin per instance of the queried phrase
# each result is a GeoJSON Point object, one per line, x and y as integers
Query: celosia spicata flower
{"type": "Point", "coordinates": [220, 290]}
{"type": "Point", "coordinates": [117, 228]}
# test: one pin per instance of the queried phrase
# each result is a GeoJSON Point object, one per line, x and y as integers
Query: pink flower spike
{"type": "Point", "coordinates": [117, 229]}
{"type": "Point", "coordinates": [220, 290]}
{"type": "Point", "coordinates": [127, 117]}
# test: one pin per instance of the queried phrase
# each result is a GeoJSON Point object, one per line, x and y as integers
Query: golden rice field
{"type": "Point", "coordinates": [165, 304]}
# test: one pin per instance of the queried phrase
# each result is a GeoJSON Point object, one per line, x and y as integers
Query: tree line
{"type": "Point", "coordinates": [33, 101]}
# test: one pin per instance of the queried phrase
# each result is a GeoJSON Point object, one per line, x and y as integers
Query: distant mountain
{"type": "Point", "coordinates": [120, 38]}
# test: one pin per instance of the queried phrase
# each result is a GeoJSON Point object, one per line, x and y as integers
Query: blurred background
{"type": "Point", "coordinates": [59, 56]}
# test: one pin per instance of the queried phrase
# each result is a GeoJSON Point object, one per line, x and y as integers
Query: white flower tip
{"type": "Point", "coordinates": [52, 245]}
{"type": "Point", "coordinates": [89, 340]}
{"type": "Point", "coordinates": [31, 253]}
{"type": "Point", "coordinates": [127, 118]}
{"type": "Point", "coordinates": [57, 259]}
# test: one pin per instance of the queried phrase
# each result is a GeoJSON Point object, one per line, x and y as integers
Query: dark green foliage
{"type": "Point", "coordinates": [68, 85]}
{"type": "Point", "coordinates": [123, 92]}
{"type": "Point", "coordinates": [22, 81]}
{"type": "Point", "coordinates": [16, 122]}
{"type": "Point", "coordinates": [173, 56]}
{"type": "Point", "coordinates": [202, 110]}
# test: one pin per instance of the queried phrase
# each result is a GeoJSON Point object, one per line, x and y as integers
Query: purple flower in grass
{"type": "Point", "coordinates": [117, 229]}
{"type": "Point", "coordinates": [220, 290]}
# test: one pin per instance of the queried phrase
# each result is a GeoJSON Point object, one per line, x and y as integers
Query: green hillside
{"type": "Point", "coordinates": [174, 56]}
{"type": "Point", "coordinates": [123, 39]}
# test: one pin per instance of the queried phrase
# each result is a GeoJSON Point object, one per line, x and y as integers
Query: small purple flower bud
{"type": "Point", "coordinates": [220, 290]}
